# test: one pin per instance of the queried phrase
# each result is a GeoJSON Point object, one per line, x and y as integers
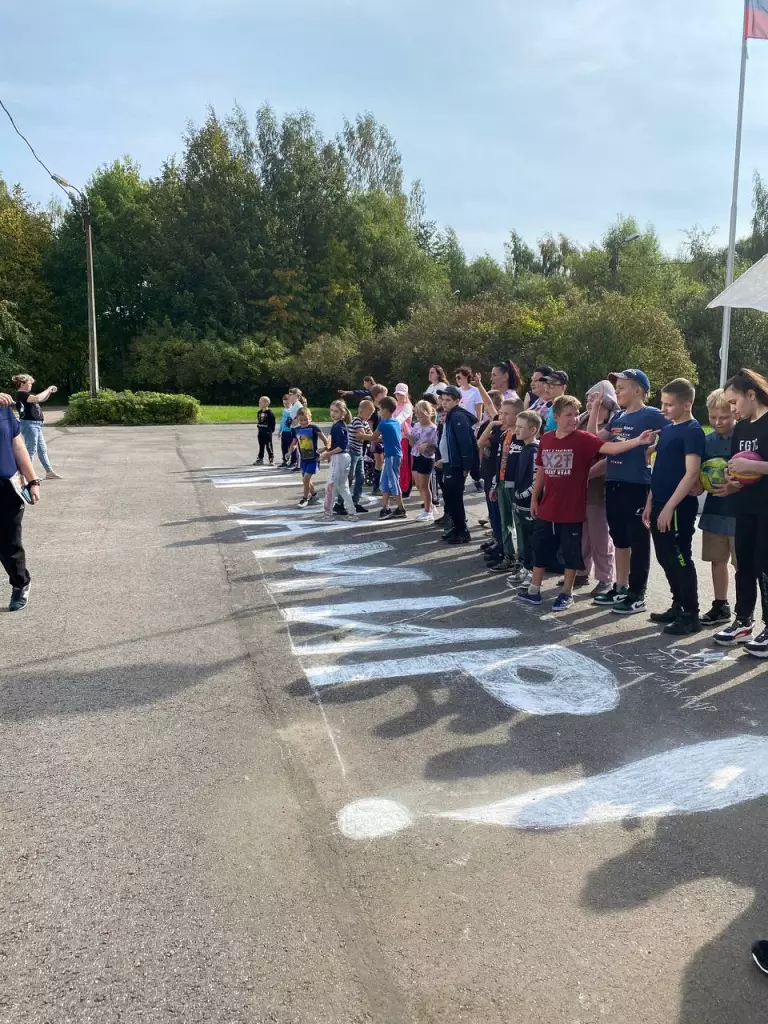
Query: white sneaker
{"type": "Point", "coordinates": [425, 517]}
{"type": "Point", "coordinates": [52, 476]}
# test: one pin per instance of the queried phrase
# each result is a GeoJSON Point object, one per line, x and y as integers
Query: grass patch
{"type": "Point", "coordinates": [248, 413]}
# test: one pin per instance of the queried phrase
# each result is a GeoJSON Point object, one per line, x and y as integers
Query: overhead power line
{"type": "Point", "coordinates": [23, 137]}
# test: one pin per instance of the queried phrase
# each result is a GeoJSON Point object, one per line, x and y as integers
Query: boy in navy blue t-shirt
{"type": "Point", "coordinates": [671, 509]}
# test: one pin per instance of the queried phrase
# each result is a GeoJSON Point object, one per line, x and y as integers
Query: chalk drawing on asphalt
{"type": "Point", "coordinates": [546, 680]}
{"type": "Point", "coordinates": [694, 779]}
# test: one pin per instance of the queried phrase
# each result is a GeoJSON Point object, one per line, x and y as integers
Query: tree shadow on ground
{"type": "Point", "coordinates": [720, 985]}
{"type": "Point", "coordinates": [63, 693]}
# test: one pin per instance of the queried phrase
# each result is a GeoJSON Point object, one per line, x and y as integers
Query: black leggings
{"type": "Point", "coordinates": [265, 441]}
{"type": "Point", "coordinates": [674, 554]}
{"type": "Point", "coordinates": [12, 556]}
{"type": "Point", "coordinates": [751, 565]}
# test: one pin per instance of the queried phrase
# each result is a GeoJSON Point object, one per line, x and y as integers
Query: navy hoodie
{"type": "Point", "coordinates": [462, 444]}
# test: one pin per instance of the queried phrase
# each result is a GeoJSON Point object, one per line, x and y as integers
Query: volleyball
{"type": "Point", "coordinates": [713, 474]}
{"type": "Point", "coordinates": [747, 478]}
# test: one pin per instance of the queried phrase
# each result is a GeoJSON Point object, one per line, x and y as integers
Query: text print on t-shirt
{"type": "Point", "coordinates": [558, 462]}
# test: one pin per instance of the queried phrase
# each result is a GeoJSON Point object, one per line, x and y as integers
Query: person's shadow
{"type": "Point", "coordinates": [721, 984]}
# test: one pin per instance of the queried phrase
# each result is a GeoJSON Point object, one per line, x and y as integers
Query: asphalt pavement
{"type": "Point", "coordinates": [257, 768]}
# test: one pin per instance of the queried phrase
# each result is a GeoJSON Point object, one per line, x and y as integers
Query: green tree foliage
{"type": "Point", "coordinates": [268, 254]}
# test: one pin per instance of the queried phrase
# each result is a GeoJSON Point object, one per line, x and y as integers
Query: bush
{"type": "Point", "coordinates": [143, 408]}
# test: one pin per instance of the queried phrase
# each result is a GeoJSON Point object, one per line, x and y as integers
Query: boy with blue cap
{"type": "Point", "coordinates": [627, 484]}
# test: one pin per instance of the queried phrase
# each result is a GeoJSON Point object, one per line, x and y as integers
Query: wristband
{"type": "Point", "coordinates": [33, 483]}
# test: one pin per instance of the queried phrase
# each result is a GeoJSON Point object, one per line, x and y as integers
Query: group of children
{"type": "Point", "coordinates": [568, 491]}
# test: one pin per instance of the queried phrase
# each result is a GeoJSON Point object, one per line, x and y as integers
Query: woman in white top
{"type": "Point", "coordinates": [437, 380]}
{"type": "Point", "coordinates": [471, 399]}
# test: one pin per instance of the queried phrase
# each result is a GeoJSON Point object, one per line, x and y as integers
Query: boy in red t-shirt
{"type": "Point", "coordinates": [563, 463]}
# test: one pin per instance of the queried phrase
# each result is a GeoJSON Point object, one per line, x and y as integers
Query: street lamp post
{"type": "Point", "coordinates": [84, 210]}
{"type": "Point", "coordinates": [617, 246]}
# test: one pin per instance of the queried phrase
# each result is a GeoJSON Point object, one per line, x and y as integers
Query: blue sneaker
{"type": "Point", "coordinates": [528, 597]}
{"type": "Point", "coordinates": [563, 603]}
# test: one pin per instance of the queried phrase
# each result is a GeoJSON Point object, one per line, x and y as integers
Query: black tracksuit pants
{"type": "Point", "coordinates": [751, 564]}
{"type": "Point", "coordinates": [12, 556]}
{"type": "Point", "coordinates": [453, 497]}
{"type": "Point", "coordinates": [674, 553]}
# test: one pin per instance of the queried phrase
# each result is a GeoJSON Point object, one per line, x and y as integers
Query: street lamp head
{"type": "Point", "coordinates": [632, 238]}
{"type": "Point", "coordinates": [62, 181]}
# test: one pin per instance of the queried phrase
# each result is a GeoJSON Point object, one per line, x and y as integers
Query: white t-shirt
{"type": "Point", "coordinates": [470, 399]}
{"type": "Point", "coordinates": [295, 409]}
{"type": "Point", "coordinates": [432, 389]}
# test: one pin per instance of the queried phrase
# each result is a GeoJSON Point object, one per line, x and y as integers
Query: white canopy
{"type": "Point", "coordinates": [750, 291]}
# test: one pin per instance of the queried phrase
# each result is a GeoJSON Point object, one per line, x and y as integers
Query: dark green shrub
{"type": "Point", "coordinates": [142, 408]}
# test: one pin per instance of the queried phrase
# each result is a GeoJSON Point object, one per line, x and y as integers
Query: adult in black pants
{"type": "Point", "coordinates": [747, 392]}
{"type": "Point", "coordinates": [458, 452]}
{"type": "Point", "coordinates": [14, 458]}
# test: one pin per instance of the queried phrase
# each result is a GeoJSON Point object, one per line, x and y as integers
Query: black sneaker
{"type": "Point", "coordinates": [259, 462]}
{"type": "Point", "coordinates": [758, 647]}
{"type": "Point", "coordinates": [760, 955]}
{"type": "Point", "coordinates": [19, 598]}
{"type": "Point", "coordinates": [458, 538]}
{"type": "Point", "coordinates": [362, 509]}
{"type": "Point", "coordinates": [719, 612]}
{"type": "Point", "coordinates": [399, 513]}
{"type": "Point", "coordinates": [686, 625]}
{"type": "Point", "coordinates": [443, 520]}
{"type": "Point", "coordinates": [610, 597]}
{"type": "Point", "coordinates": [487, 545]}
{"type": "Point", "coordinates": [630, 604]}
{"type": "Point", "coordinates": [739, 631]}
{"type": "Point", "coordinates": [339, 510]}
{"type": "Point", "coordinates": [670, 615]}
{"type": "Point", "coordinates": [386, 513]}
{"type": "Point", "coordinates": [506, 564]}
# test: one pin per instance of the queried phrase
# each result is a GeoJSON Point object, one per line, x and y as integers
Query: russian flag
{"type": "Point", "coordinates": [756, 19]}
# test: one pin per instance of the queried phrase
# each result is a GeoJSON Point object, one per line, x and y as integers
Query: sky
{"type": "Point", "coordinates": [541, 117]}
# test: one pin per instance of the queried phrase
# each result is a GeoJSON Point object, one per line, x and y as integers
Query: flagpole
{"type": "Point", "coordinates": [729, 270]}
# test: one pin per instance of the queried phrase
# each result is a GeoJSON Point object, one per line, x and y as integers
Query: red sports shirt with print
{"type": "Point", "coordinates": [566, 462]}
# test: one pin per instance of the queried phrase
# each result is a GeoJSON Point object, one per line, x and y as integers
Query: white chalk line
{"type": "Point", "coordinates": [694, 779]}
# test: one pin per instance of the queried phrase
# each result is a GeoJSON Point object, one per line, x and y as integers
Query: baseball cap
{"type": "Point", "coordinates": [556, 377]}
{"type": "Point", "coordinates": [401, 389]}
{"type": "Point", "coordinates": [452, 391]}
{"type": "Point", "coordinates": [637, 376]}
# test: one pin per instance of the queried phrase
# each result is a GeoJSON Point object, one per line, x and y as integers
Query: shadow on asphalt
{"type": "Point", "coordinates": [59, 693]}
{"type": "Point", "coordinates": [721, 984]}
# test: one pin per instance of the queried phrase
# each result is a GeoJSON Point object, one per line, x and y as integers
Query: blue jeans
{"type": "Point", "coordinates": [356, 475]}
{"type": "Point", "coordinates": [35, 442]}
{"type": "Point", "coordinates": [390, 475]}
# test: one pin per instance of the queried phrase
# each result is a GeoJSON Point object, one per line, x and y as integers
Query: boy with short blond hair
{"type": "Point", "coordinates": [718, 521]}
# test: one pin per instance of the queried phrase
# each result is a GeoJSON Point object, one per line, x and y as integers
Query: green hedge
{"type": "Point", "coordinates": [124, 407]}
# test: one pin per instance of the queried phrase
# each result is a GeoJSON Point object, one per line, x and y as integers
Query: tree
{"type": "Point", "coordinates": [372, 158]}
{"type": "Point", "coordinates": [14, 341]}
{"type": "Point", "coordinates": [591, 338]}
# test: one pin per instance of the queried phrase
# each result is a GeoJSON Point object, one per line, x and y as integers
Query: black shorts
{"type": "Point", "coordinates": [421, 464]}
{"type": "Point", "coordinates": [624, 504]}
{"type": "Point", "coordinates": [549, 538]}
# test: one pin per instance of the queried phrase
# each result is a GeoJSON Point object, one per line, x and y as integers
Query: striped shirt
{"type": "Point", "coordinates": [355, 446]}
